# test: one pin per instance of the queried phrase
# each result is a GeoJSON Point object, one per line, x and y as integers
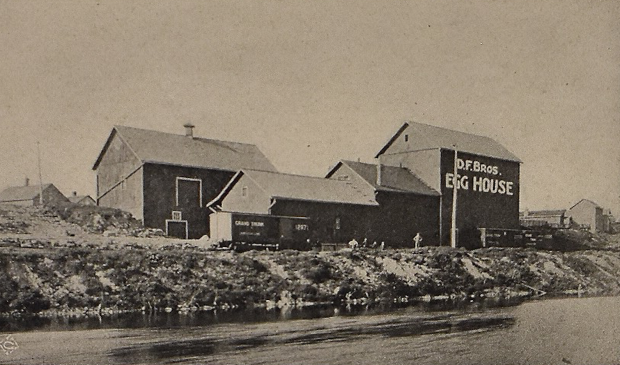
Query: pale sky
{"type": "Point", "coordinates": [312, 82]}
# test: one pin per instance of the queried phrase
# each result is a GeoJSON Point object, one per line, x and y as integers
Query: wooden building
{"type": "Point", "coordinates": [166, 179]}
{"type": "Point", "coordinates": [407, 205]}
{"type": "Point", "coordinates": [557, 218]}
{"type": "Point", "coordinates": [28, 195]}
{"type": "Point", "coordinates": [337, 210]}
{"type": "Point", "coordinates": [487, 175]}
{"type": "Point", "coordinates": [81, 199]}
{"type": "Point", "coordinates": [588, 215]}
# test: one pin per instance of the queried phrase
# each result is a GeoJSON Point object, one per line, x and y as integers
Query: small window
{"type": "Point", "coordinates": [337, 223]}
{"type": "Point", "coordinates": [177, 215]}
{"type": "Point", "coordinates": [343, 178]}
{"type": "Point", "coordinates": [244, 191]}
{"type": "Point", "coordinates": [406, 138]}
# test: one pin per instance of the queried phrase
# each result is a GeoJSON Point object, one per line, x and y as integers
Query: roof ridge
{"type": "Point", "coordinates": [197, 138]}
{"type": "Point", "coordinates": [290, 174]}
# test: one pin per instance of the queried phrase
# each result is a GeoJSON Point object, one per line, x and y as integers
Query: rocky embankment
{"type": "Point", "coordinates": [93, 275]}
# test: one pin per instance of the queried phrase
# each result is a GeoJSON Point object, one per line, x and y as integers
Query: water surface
{"type": "Point", "coordinates": [557, 331]}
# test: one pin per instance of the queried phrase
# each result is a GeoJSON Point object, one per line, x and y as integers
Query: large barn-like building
{"type": "Point", "coordinates": [487, 175]}
{"type": "Point", "coordinates": [166, 179]}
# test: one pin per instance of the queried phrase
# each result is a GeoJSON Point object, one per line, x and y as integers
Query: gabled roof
{"type": "Point", "coordinates": [395, 179]}
{"type": "Point", "coordinates": [78, 198]}
{"type": "Point", "coordinates": [20, 193]}
{"type": "Point", "coordinates": [586, 201]}
{"type": "Point", "coordinates": [424, 136]}
{"type": "Point", "coordinates": [298, 187]}
{"type": "Point", "coordinates": [173, 149]}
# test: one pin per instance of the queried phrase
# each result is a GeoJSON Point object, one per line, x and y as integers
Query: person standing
{"type": "Point", "coordinates": [417, 240]}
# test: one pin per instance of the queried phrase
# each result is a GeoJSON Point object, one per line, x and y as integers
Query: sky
{"type": "Point", "coordinates": [313, 82]}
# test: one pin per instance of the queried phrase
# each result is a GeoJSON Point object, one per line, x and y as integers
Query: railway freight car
{"type": "Point", "coordinates": [242, 231]}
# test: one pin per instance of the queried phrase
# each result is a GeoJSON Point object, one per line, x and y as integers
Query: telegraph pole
{"type": "Point", "coordinates": [40, 178]}
{"type": "Point", "coordinates": [455, 182]}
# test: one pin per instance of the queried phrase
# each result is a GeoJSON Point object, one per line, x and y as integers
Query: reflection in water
{"type": "Point", "coordinates": [579, 331]}
{"type": "Point", "coordinates": [328, 331]}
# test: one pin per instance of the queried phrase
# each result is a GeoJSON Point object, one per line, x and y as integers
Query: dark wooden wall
{"type": "Point", "coordinates": [476, 209]}
{"type": "Point", "coordinates": [160, 195]}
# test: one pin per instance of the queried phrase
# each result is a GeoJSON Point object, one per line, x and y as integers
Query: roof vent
{"type": "Point", "coordinates": [189, 130]}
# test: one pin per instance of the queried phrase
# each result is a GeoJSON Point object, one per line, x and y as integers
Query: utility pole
{"type": "Point", "coordinates": [455, 182]}
{"type": "Point", "coordinates": [40, 178]}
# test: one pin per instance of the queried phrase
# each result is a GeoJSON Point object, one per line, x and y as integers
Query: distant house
{"type": "Point", "coordinates": [588, 214]}
{"type": "Point", "coordinates": [28, 195]}
{"type": "Point", "coordinates": [337, 209]}
{"type": "Point", "coordinates": [549, 218]}
{"type": "Point", "coordinates": [166, 179]}
{"type": "Point", "coordinates": [407, 205]}
{"type": "Point", "coordinates": [81, 199]}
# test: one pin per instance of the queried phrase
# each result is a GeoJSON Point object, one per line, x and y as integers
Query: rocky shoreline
{"type": "Point", "coordinates": [86, 281]}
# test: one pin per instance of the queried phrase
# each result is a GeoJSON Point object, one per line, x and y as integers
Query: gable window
{"type": "Point", "coordinates": [406, 138]}
{"type": "Point", "coordinates": [343, 177]}
{"type": "Point", "coordinates": [244, 191]}
{"type": "Point", "coordinates": [177, 215]}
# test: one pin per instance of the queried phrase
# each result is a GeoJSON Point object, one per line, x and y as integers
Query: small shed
{"type": "Point", "coordinates": [556, 218]}
{"type": "Point", "coordinates": [81, 199]}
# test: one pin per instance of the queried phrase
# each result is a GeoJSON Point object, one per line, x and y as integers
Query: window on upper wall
{"type": "Point", "coordinates": [244, 191]}
{"type": "Point", "coordinates": [406, 138]}
{"type": "Point", "coordinates": [343, 177]}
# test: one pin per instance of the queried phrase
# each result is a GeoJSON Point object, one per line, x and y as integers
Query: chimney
{"type": "Point", "coordinates": [189, 130]}
{"type": "Point", "coordinates": [379, 168]}
{"type": "Point", "coordinates": [74, 193]}
{"type": "Point", "coordinates": [27, 182]}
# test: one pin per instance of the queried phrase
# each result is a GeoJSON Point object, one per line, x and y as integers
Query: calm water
{"type": "Point", "coordinates": [556, 331]}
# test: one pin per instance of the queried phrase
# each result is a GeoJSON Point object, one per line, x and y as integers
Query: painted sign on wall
{"type": "Point", "coordinates": [487, 180]}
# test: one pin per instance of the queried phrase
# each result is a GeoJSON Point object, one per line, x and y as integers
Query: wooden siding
{"type": "Point", "coordinates": [424, 164]}
{"type": "Point", "coordinates": [475, 208]}
{"type": "Point", "coordinates": [403, 215]}
{"type": "Point", "coordinates": [345, 173]}
{"type": "Point", "coordinates": [52, 196]}
{"type": "Point", "coordinates": [116, 164]}
{"type": "Point", "coordinates": [126, 196]}
{"type": "Point", "coordinates": [160, 183]}
{"type": "Point", "coordinates": [323, 216]}
{"type": "Point", "coordinates": [586, 213]}
{"type": "Point", "coordinates": [399, 215]}
{"type": "Point", "coordinates": [254, 201]}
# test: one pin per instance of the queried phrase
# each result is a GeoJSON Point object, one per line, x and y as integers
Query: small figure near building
{"type": "Point", "coordinates": [353, 244]}
{"type": "Point", "coordinates": [417, 240]}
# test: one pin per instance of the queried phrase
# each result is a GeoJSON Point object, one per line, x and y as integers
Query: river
{"type": "Point", "coordinates": [552, 331]}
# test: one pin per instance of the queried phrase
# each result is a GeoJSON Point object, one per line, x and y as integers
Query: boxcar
{"type": "Point", "coordinates": [259, 231]}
